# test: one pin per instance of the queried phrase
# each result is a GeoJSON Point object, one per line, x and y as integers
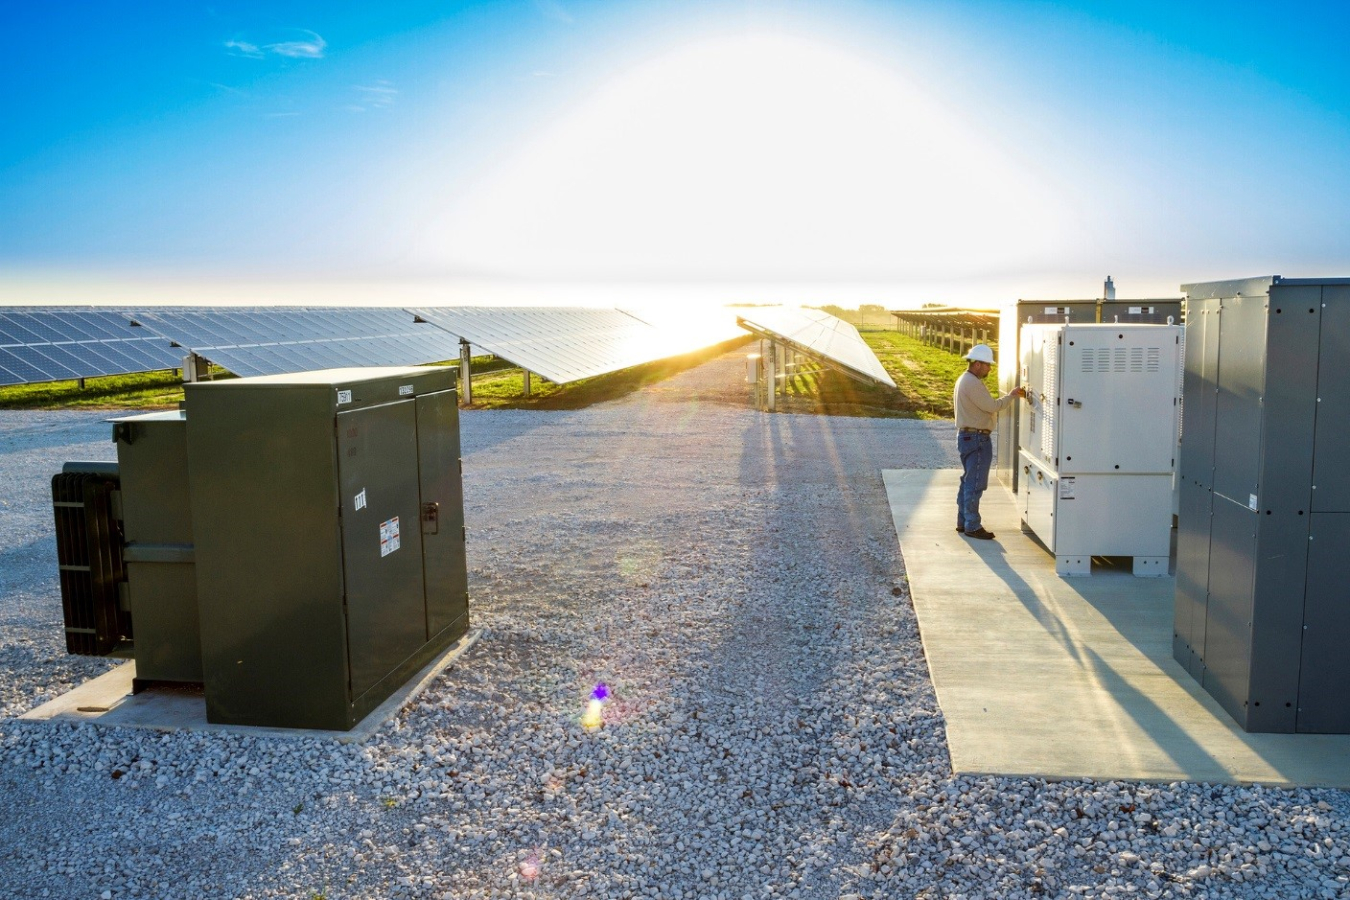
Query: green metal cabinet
{"type": "Point", "coordinates": [158, 553]}
{"type": "Point", "coordinates": [327, 513]}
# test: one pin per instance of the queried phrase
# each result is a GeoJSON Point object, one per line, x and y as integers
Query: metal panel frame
{"type": "Point", "coordinates": [1237, 407]}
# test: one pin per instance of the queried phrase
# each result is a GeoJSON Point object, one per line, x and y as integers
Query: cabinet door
{"type": "Point", "coordinates": [381, 550]}
{"type": "Point", "coordinates": [447, 597]}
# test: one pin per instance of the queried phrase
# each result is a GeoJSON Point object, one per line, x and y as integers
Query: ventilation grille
{"type": "Point", "coordinates": [1049, 380]}
{"type": "Point", "coordinates": [89, 557]}
{"type": "Point", "coordinates": [1121, 360]}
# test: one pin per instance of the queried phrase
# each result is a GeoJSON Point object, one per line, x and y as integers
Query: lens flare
{"type": "Point", "coordinates": [593, 718]}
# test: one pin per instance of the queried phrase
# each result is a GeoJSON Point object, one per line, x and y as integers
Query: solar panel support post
{"type": "Point", "coordinates": [527, 382]}
{"type": "Point", "coordinates": [771, 378]}
{"type": "Point", "coordinates": [194, 367]}
{"type": "Point", "coordinates": [465, 375]}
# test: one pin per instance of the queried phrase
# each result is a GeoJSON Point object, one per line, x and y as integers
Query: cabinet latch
{"type": "Point", "coordinates": [431, 518]}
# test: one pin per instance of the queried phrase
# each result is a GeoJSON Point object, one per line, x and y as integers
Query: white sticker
{"type": "Point", "coordinates": [344, 397]}
{"type": "Point", "coordinates": [405, 390]}
{"type": "Point", "coordinates": [1066, 487]}
{"type": "Point", "coordinates": [1251, 501]}
{"type": "Point", "coordinates": [389, 536]}
{"type": "Point", "coordinates": [1052, 310]}
{"type": "Point", "coordinates": [360, 501]}
{"type": "Point", "coordinates": [1137, 310]}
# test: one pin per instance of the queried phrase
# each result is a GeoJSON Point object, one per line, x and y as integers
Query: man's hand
{"type": "Point", "coordinates": [1019, 391]}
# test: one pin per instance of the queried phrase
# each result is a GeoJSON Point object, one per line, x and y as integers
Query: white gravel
{"type": "Point", "coordinates": [734, 579]}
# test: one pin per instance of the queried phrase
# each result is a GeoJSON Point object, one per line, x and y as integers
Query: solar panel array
{"type": "Point", "coordinates": [566, 344]}
{"type": "Point", "coordinates": [819, 335]}
{"type": "Point", "coordinates": [278, 339]}
{"type": "Point", "coordinates": [60, 343]}
{"type": "Point", "coordinates": [562, 344]}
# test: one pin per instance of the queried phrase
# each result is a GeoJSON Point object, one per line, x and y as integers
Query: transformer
{"type": "Point", "coordinates": [294, 544]}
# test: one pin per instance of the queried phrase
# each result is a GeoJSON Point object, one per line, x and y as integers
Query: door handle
{"type": "Point", "coordinates": [431, 518]}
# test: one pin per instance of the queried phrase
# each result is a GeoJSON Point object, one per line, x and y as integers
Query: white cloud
{"type": "Point", "coordinates": [310, 49]}
{"type": "Point", "coordinates": [243, 48]}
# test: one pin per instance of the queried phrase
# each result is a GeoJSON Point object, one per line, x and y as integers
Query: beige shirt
{"type": "Point", "coordinates": [975, 406]}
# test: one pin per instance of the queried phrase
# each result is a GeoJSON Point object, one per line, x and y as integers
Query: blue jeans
{"type": "Point", "coordinates": [977, 452]}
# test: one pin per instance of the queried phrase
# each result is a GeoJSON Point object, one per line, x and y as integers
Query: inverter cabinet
{"type": "Point", "coordinates": [327, 513]}
{"type": "Point", "coordinates": [1261, 617]}
{"type": "Point", "coordinates": [1097, 441]}
{"type": "Point", "coordinates": [1013, 316]}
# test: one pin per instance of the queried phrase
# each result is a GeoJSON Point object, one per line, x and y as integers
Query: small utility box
{"type": "Point", "coordinates": [327, 518]}
{"type": "Point", "coordinates": [1097, 442]}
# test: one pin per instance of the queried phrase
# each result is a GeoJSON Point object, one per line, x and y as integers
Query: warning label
{"type": "Point", "coordinates": [389, 536]}
{"type": "Point", "coordinates": [1066, 486]}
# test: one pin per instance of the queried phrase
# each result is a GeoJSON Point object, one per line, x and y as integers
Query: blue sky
{"type": "Point", "coordinates": [972, 151]}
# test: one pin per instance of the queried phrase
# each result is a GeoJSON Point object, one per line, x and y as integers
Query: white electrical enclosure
{"type": "Point", "coordinates": [1097, 441]}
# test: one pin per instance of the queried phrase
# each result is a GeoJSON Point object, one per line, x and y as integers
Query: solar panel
{"type": "Point", "coordinates": [819, 335]}
{"type": "Point", "coordinates": [568, 343]}
{"type": "Point", "coordinates": [56, 343]}
{"type": "Point", "coordinates": [277, 340]}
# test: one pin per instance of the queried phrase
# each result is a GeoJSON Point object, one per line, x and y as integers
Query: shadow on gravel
{"type": "Point", "coordinates": [822, 639]}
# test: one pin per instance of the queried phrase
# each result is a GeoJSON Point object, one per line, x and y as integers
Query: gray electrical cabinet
{"type": "Point", "coordinates": [1139, 312]}
{"type": "Point", "coordinates": [327, 518]}
{"type": "Point", "coordinates": [1261, 615]}
{"type": "Point", "coordinates": [161, 581]}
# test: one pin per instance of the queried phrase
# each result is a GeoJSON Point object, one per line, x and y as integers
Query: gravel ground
{"type": "Point", "coordinates": [733, 579]}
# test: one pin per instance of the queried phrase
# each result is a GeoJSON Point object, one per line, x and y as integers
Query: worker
{"type": "Point", "coordinates": [976, 410]}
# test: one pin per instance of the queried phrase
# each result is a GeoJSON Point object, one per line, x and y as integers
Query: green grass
{"type": "Point", "coordinates": [924, 377]}
{"type": "Point", "coordinates": [144, 390]}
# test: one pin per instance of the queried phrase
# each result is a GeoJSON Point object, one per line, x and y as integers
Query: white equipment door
{"type": "Point", "coordinates": [1117, 411]}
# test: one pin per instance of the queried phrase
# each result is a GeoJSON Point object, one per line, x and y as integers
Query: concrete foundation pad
{"type": "Point", "coordinates": [1039, 675]}
{"type": "Point", "coordinates": [108, 700]}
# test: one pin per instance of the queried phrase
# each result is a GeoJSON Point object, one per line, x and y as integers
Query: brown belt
{"type": "Point", "coordinates": [976, 430]}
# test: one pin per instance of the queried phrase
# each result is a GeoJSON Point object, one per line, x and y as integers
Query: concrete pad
{"type": "Point", "coordinates": [108, 700]}
{"type": "Point", "coordinates": [1068, 678]}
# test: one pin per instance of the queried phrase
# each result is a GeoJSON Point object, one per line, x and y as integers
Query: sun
{"type": "Point", "coordinates": [759, 156]}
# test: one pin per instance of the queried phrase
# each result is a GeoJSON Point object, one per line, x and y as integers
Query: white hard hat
{"type": "Point", "coordinates": [981, 353]}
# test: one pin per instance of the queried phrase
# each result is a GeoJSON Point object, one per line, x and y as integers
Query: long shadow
{"type": "Point", "coordinates": [1151, 718]}
{"type": "Point", "coordinates": [817, 579]}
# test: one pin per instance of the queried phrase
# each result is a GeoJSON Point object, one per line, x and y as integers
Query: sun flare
{"type": "Point", "coordinates": [751, 157]}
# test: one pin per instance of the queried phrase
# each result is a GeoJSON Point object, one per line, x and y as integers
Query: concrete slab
{"type": "Point", "coordinates": [108, 700]}
{"type": "Point", "coordinates": [1069, 678]}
